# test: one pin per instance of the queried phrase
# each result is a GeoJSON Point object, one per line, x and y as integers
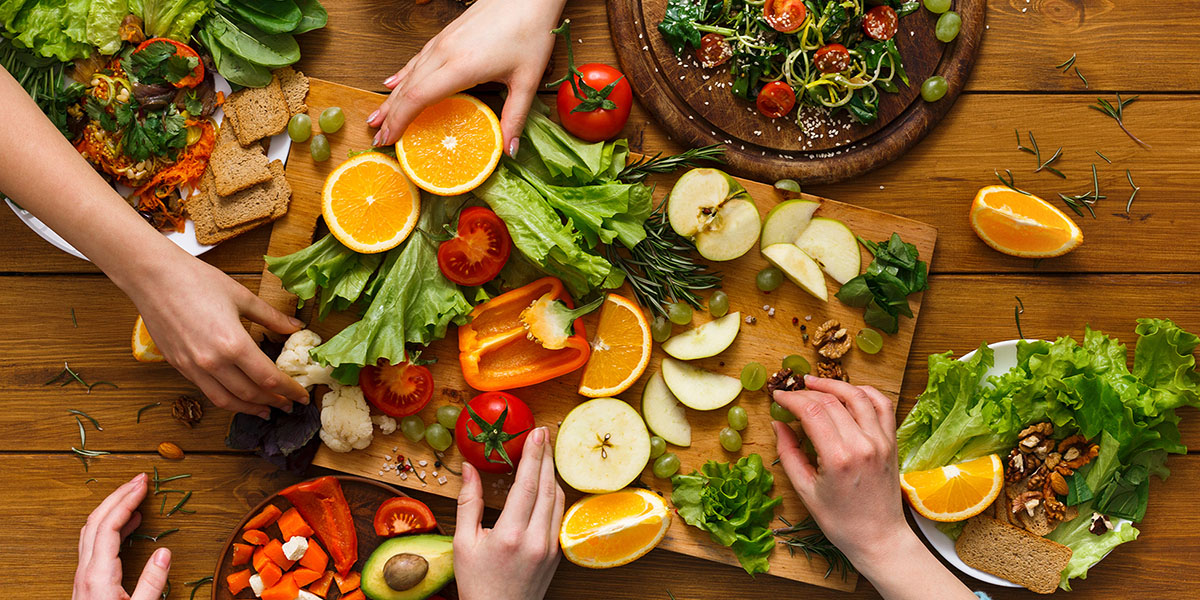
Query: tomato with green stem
{"type": "Point", "coordinates": [491, 429]}
{"type": "Point", "coordinates": [593, 99]}
{"type": "Point", "coordinates": [479, 249]}
{"type": "Point", "coordinates": [397, 390]}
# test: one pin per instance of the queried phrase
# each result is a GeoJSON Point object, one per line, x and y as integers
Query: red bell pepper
{"type": "Point", "coordinates": [323, 505]}
{"type": "Point", "coordinates": [355, 595]}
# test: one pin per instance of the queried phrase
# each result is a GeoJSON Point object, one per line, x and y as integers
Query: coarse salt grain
{"type": "Point", "coordinates": [442, 480]}
{"type": "Point", "coordinates": [422, 463]}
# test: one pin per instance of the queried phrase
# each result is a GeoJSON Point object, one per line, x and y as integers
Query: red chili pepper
{"type": "Point", "coordinates": [322, 504]}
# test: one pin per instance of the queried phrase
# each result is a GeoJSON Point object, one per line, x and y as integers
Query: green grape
{"type": "Point", "coordinates": [679, 313]}
{"type": "Point", "coordinates": [779, 413]}
{"type": "Point", "coordinates": [300, 128]}
{"type": "Point", "coordinates": [660, 329]}
{"type": "Point", "coordinates": [718, 304]}
{"type": "Point", "coordinates": [769, 279]}
{"type": "Point", "coordinates": [319, 148]}
{"type": "Point", "coordinates": [448, 416]}
{"type": "Point", "coordinates": [412, 428]}
{"type": "Point", "coordinates": [947, 26]}
{"type": "Point", "coordinates": [937, 7]}
{"type": "Point", "coordinates": [798, 364]}
{"type": "Point", "coordinates": [657, 446]}
{"type": "Point", "coordinates": [869, 340]}
{"type": "Point", "coordinates": [934, 88]}
{"type": "Point", "coordinates": [438, 437]}
{"type": "Point", "coordinates": [754, 375]}
{"type": "Point", "coordinates": [666, 466]}
{"type": "Point", "coordinates": [331, 119]}
{"type": "Point", "coordinates": [730, 439]}
{"type": "Point", "coordinates": [737, 418]}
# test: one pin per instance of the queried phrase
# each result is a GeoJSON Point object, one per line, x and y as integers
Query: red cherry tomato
{"type": "Point", "coordinates": [776, 99]}
{"type": "Point", "coordinates": [401, 515]}
{"type": "Point", "coordinates": [832, 58]}
{"type": "Point", "coordinates": [478, 250]}
{"type": "Point", "coordinates": [185, 51]}
{"type": "Point", "coordinates": [714, 51]}
{"type": "Point", "coordinates": [398, 390]}
{"type": "Point", "coordinates": [480, 436]}
{"type": "Point", "coordinates": [603, 123]}
{"type": "Point", "coordinates": [881, 23]}
{"type": "Point", "coordinates": [785, 15]}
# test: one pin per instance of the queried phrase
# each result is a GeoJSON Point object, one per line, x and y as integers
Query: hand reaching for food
{"type": "Point", "coordinates": [98, 576]}
{"type": "Point", "coordinates": [516, 559]}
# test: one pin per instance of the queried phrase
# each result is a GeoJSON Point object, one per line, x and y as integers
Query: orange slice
{"type": "Point", "coordinates": [620, 349]}
{"type": "Point", "coordinates": [955, 492]}
{"type": "Point", "coordinates": [610, 530]}
{"type": "Point", "coordinates": [144, 348]}
{"type": "Point", "coordinates": [368, 204]}
{"type": "Point", "coordinates": [452, 146]}
{"type": "Point", "coordinates": [1022, 225]}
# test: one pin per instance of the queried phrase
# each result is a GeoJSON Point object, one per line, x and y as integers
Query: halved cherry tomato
{"type": "Point", "coordinates": [832, 58]}
{"type": "Point", "coordinates": [402, 515]}
{"type": "Point", "coordinates": [398, 390]}
{"type": "Point", "coordinates": [776, 99]}
{"type": "Point", "coordinates": [478, 250]}
{"type": "Point", "coordinates": [185, 51]}
{"type": "Point", "coordinates": [785, 15]}
{"type": "Point", "coordinates": [714, 51]}
{"type": "Point", "coordinates": [880, 23]}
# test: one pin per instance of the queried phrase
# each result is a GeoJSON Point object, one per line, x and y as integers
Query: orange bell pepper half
{"type": "Point", "coordinates": [324, 507]}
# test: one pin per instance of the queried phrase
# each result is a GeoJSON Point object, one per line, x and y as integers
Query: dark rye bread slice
{"type": "Point", "coordinates": [199, 207]}
{"type": "Point", "coordinates": [234, 167]}
{"type": "Point", "coordinates": [1013, 554]}
{"type": "Point", "coordinates": [295, 89]}
{"type": "Point", "coordinates": [258, 202]}
{"type": "Point", "coordinates": [257, 113]}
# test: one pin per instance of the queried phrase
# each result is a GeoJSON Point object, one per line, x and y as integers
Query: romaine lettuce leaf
{"type": "Point", "coordinates": [103, 21]}
{"type": "Point", "coordinates": [1087, 548]}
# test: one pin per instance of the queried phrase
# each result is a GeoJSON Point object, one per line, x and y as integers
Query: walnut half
{"type": "Point", "coordinates": [831, 339]}
{"type": "Point", "coordinates": [831, 369]}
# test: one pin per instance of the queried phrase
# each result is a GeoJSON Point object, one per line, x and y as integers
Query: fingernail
{"type": "Point", "coordinates": [301, 399]}
{"type": "Point", "coordinates": [539, 435]}
{"type": "Point", "coordinates": [512, 147]}
{"type": "Point", "coordinates": [162, 558]}
{"type": "Point", "coordinates": [265, 415]}
{"type": "Point", "coordinates": [390, 79]}
{"type": "Point", "coordinates": [383, 135]}
{"type": "Point", "coordinates": [296, 322]}
{"type": "Point", "coordinates": [375, 140]}
{"type": "Point", "coordinates": [468, 473]}
{"type": "Point", "coordinates": [372, 116]}
{"type": "Point", "coordinates": [139, 477]}
{"type": "Point", "coordinates": [808, 378]}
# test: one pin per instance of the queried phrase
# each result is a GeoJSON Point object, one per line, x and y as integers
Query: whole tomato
{"type": "Point", "coordinates": [602, 112]}
{"type": "Point", "coordinates": [491, 431]}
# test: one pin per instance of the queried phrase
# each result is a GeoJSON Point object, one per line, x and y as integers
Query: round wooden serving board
{"type": "Point", "coordinates": [696, 105]}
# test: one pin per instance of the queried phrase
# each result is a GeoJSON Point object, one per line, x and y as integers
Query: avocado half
{"type": "Point", "coordinates": [436, 550]}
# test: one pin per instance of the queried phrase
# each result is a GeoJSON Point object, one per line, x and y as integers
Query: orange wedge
{"type": "Point", "coordinates": [955, 492]}
{"type": "Point", "coordinates": [620, 349]}
{"type": "Point", "coordinates": [144, 348]}
{"type": "Point", "coordinates": [452, 146]}
{"type": "Point", "coordinates": [368, 204]}
{"type": "Point", "coordinates": [610, 530]}
{"type": "Point", "coordinates": [1022, 224]}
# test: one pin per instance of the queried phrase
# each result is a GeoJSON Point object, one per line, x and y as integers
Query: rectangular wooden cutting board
{"type": "Point", "coordinates": [779, 317]}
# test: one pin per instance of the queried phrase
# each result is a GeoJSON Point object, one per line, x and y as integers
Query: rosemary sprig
{"type": "Point", "coordinates": [1082, 78]}
{"type": "Point", "coordinates": [158, 481]}
{"type": "Point", "coordinates": [1037, 153]}
{"type": "Point", "coordinates": [82, 433]}
{"type": "Point", "coordinates": [179, 505]}
{"type": "Point", "coordinates": [152, 538]}
{"type": "Point", "coordinates": [1117, 113]}
{"type": "Point", "coordinates": [90, 480]}
{"type": "Point", "coordinates": [68, 375]}
{"type": "Point", "coordinates": [1009, 182]}
{"type": "Point", "coordinates": [1018, 310]}
{"type": "Point", "coordinates": [196, 585]}
{"type": "Point", "coordinates": [1133, 185]}
{"type": "Point", "coordinates": [1101, 155]}
{"type": "Point", "coordinates": [166, 591]}
{"type": "Point", "coordinates": [73, 321]}
{"type": "Point", "coordinates": [1085, 200]}
{"type": "Point", "coordinates": [80, 413]}
{"type": "Point", "coordinates": [145, 408]}
{"type": "Point", "coordinates": [1066, 64]}
{"type": "Point", "coordinates": [88, 453]}
{"type": "Point", "coordinates": [814, 543]}
{"type": "Point", "coordinates": [638, 170]}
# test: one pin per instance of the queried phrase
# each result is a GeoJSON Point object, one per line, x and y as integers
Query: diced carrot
{"type": "Point", "coordinates": [260, 559]}
{"type": "Point", "coordinates": [321, 586]}
{"type": "Point", "coordinates": [263, 519]}
{"type": "Point", "coordinates": [291, 524]}
{"type": "Point", "coordinates": [238, 581]}
{"type": "Point", "coordinates": [304, 576]}
{"type": "Point", "coordinates": [274, 551]}
{"type": "Point", "coordinates": [347, 583]}
{"type": "Point", "coordinates": [242, 554]}
{"type": "Point", "coordinates": [314, 558]}
{"type": "Point", "coordinates": [284, 589]}
{"type": "Point", "coordinates": [256, 537]}
{"type": "Point", "coordinates": [355, 595]}
{"type": "Point", "coordinates": [270, 574]}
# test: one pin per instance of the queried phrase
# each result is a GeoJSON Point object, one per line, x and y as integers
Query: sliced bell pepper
{"type": "Point", "coordinates": [347, 583]}
{"type": "Point", "coordinates": [323, 505]}
{"type": "Point", "coordinates": [270, 574]}
{"type": "Point", "coordinates": [355, 595]}
{"type": "Point", "coordinates": [264, 518]}
{"type": "Point", "coordinates": [314, 558]}
{"type": "Point", "coordinates": [274, 551]}
{"type": "Point", "coordinates": [238, 581]}
{"type": "Point", "coordinates": [320, 587]}
{"type": "Point", "coordinates": [256, 537]}
{"type": "Point", "coordinates": [284, 589]}
{"type": "Point", "coordinates": [242, 554]}
{"type": "Point", "coordinates": [292, 524]}
{"type": "Point", "coordinates": [498, 351]}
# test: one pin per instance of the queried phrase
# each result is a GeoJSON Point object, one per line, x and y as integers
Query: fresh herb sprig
{"type": "Point", "coordinates": [1086, 199]}
{"type": "Point", "coordinates": [1018, 310]}
{"type": "Point", "coordinates": [68, 375]}
{"type": "Point", "coordinates": [813, 542]}
{"type": "Point", "coordinates": [1117, 113]}
{"type": "Point", "coordinates": [197, 584]}
{"type": "Point", "coordinates": [146, 408]}
{"type": "Point", "coordinates": [1037, 153]}
{"type": "Point", "coordinates": [1066, 64]}
{"type": "Point", "coordinates": [637, 171]}
{"type": "Point", "coordinates": [662, 268]}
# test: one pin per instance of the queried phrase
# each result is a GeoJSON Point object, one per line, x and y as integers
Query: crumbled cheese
{"type": "Point", "coordinates": [294, 548]}
{"type": "Point", "coordinates": [256, 584]}
{"type": "Point", "coordinates": [307, 595]}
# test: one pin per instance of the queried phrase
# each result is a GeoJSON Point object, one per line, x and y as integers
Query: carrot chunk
{"type": "Point", "coordinates": [260, 559]}
{"type": "Point", "coordinates": [274, 551]}
{"type": "Point", "coordinates": [238, 581]}
{"type": "Point", "coordinates": [355, 595]}
{"type": "Point", "coordinates": [348, 583]}
{"type": "Point", "coordinates": [291, 524]}
{"type": "Point", "coordinates": [256, 537]}
{"type": "Point", "coordinates": [264, 518]}
{"type": "Point", "coordinates": [284, 589]}
{"type": "Point", "coordinates": [270, 574]}
{"type": "Point", "coordinates": [321, 586]}
{"type": "Point", "coordinates": [304, 576]}
{"type": "Point", "coordinates": [314, 558]}
{"type": "Point", "coordinates": [242, 554]}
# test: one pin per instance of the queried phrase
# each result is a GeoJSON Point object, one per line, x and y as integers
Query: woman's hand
{"type": "Point", "coordinates": [98, 576]}
{"type": "Point", "coordinates": [514, 560]}
{"type": "Point", "coordinates": [506, 41]}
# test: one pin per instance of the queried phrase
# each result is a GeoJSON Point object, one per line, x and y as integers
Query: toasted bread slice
{"type": "Point", "coordinates": [235, 167]}
{"type": "Point", "coordinates": [257, 202]}
{"type": "Point", "coordinates": [257, 113]}
{"type": "Point", "coordinates": [295, 89]}
{"type": "Point", "coordinates": [199, 207]}
{"type": "Point", "coordinates": [1012, 553]}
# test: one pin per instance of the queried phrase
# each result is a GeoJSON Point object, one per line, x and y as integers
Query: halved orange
{"type": "Point", "coordinates": [368, 203]}
{"type": "Point", "coordinates": [955, 492]}
{"type": "Point", "coordinates": [144, 348]}
{"type": "Point", "coordinates": [620, 349]}
{"type": "Point", "coordinates": [1022, 224]}
{"type": "Point", "coordinates": [610, 530]}
{"type": "Point", "coordinates": [452, 146]}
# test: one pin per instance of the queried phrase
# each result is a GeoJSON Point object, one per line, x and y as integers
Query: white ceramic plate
{"type": "Point", "coordinates": [277, 150]}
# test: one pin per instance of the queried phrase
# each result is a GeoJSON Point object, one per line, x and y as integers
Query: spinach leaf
{"type": "Point", "coordinates": [279, 16]}
{"type": "Point", "coordinates": [679, 24]}
{"type": "Point", "coordinates": [313, 16]}
{"type": "Point", "coordinates": [231, 66]}
{"type": "Point", "coordinates": [250, 43]}
{"type": "Point", "coordinates": [894, 274]}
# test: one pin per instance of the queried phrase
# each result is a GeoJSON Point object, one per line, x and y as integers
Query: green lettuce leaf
{"type": "Point", "coordinates": [53, 28]}
{"type": "Point", "coordinates": [567, 159]}
{"type": "Point", "coordinates": [103, 21]}
{"type": "Point", "coordinates": [602, 212]}
{"type": "Point", "coordinates": [942, 421]}
{"type": "Point", "coordinates": [170, 18]}
{"type": "Point", "coordinates": [1087, 548]}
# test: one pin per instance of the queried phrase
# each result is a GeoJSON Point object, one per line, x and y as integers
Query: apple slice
{"type": "Point", "coordinates": [715, 212]}
{"type": "Point", "coordinates": [697, 388]}
{"type": "Point", "coordinates": [664, 414]}
{"type": "Point", "coordinates": [802, 270]}
{"type": "Point", "coordinates": [709, 339]}
{"type": "Point", "coordinates": [832, 245]}
{"type": "Point", "coordinates": [786, 222]}
{"type": "Point", "coordinates": [601, 446]}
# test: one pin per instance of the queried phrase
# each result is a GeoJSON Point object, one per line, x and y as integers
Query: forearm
{"type": "Point", "coordinates": [904, 569]}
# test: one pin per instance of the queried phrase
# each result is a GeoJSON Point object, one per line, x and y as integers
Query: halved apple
{"type": "Point", "coordinates": [786, 222]}
{"type": "Point", "coordinates": [715, 212]}
{"type": "Point", "coordinates": [664, 414]}
{"type": "Point", "coordinates": [602, 446]}
{"type": "Point", "coordinates": [802, 270]}
{"type": "Point", "coordinates": [697, 388]}
{"type": "Point", "coordinates": [833, 246]}
{"type": "Point", "coordinates": [709, 339]}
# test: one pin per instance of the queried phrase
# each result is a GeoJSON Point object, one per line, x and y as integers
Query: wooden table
{"type": "Point", "coordinates": [1131, 265]}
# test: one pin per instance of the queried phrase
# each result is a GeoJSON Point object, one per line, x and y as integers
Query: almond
{"type": "Point", "coordinates": [170, 451]}
{"type": "Point", "coordinates": [1059, 484]}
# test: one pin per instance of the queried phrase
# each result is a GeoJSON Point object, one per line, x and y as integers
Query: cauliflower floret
{"type": "Point", "coordinates": [385, 423]}
{"type": "Point", "coordinates": [345, 419]}
{"type": "Point", "coordinates": [295, 360]}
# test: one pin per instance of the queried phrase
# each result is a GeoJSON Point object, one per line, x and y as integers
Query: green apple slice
{"type": "Point", "coordinates": [832, 245]}
{"type": "Point", "coordinates": [697, 388]}
{"type": "Point", "coordinates": [713, 210]}
{"type": "Point", "coordinates": [786, 221]}
{"type": "Point", "coordinates": [664, 414]}
{"type": "Point", "coordinates": [799, 267]}
{"type": "Point", "coordinates": [601, 446]}
{"type": "Point", "coordinates": [709, 339]}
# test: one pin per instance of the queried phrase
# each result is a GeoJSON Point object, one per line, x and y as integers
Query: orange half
{"type": "Point", "coordinates": [955, 492]}
{"type": "Point", "coordinates": [452, 146]}
{"type": "Point", "coordinates": [610, 530]}
{"type": "Point", "coordinates": [620, 349]}
{"type": "Point", "coordinates": [144, 348]}
{"type": "Point", "coordinates": [368, 204]}
{"type": "Point", "coordinates": [1022, 224]}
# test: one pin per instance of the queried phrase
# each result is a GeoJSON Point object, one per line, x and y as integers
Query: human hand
{"type": "Point", "coordinates": [493, 40]}
{"type": "Point", "coordinates": [516, 559]}
{"type": "Point", "coordinates": [98, 576]}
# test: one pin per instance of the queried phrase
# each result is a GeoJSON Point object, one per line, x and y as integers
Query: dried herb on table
{"type": "Point", "coordinates": [1101, 155]}
{"type": "Point", "coordinates": [1117, 113]}
{"type": "Point", "coordinates": [1087, 199]}
{"type": "Point", "coordinates": [196, 585]}
{"type": "Point", "coordinates": [1018, 310]}
{"type": "Point", "coordinates": [146, 408]}
{"type": "Point", "coordinates": [814, 543]}
{"type": "Point", "coordinates": [1066, 64]}
{"type": "Point", "coordinates": [1009, 182]}
{"type": "Point", "coordinates": [638, 170]}
{"type": "Point", "coordinates": [68, 375]}
{"type": "Point", "coordinates": [1037, 153]}
{"type": "Point", "coordinates": [1129, 204]}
